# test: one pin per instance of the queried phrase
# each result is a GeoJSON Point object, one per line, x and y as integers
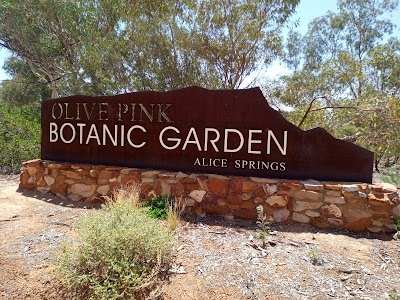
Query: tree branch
{"type": "Point", "coordinates": [309, 109]}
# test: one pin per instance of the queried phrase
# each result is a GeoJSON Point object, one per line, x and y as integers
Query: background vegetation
{"type": "Point", "coordinates": [344, 72]}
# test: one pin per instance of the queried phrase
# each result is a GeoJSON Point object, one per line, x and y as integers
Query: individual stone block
{"type": "Point", "coordinates": [217, 186]}
{"type": "Point", "coordinates": [235, 186]}
{"type": "Point", "coordinates": [75, 198]}
{"type": "Point", "coordinates": [165, 188]}
{"type": "Point", "coordinates": [334, 200]}
{"type": "Point", "coordinates": [258, 200]}
{"type": "Point", "coordinates": [259, 192]}
{"type": "Point", "coordinates": [388, 188]}
{"type": "Point", "coordinates": [93, 173]}
{"type": "Point", "coordinates": [264, 180]}
{"type": "Point", "coordinates": [312, 185]}
{"type": "Point", "coordinates": [302, 205]}
{"type": "Point", "coordinates": [245, 213]}
{"type": "Point", "coordinates": [335, 222]}
{"type": "Point", "coordinates": [246, 196]}
{"type": "Point", "coordinates": [72, 175]}
{"type": "Point", "coordinates": [59, 188]}
{"type": "Point", "coordinates": [281, 215]}
{"type": "Point", "coordinates": [248, 186]}
{"type": "Point", "coordinates": [333, 186]}
{"type": "Point", "coordinates": [32, 170]}
{"type": "Point", "coordinates": [222, 202]}
{"type": "Point", "coordinates": [333, 193]}
{"type": "Point", "coordinates": [212, 204]}
{"type": "Point", "coordinates": [198, 195]}
{"type": "Point", "coordinates": [331, 210]}
{"type": "Point", "coordinates": [375, 229]}
{"type": "Point", "coordinates": [103, 189]}
{"type": "Point", "coordinates": [83, 190]}
{"type": "Point", "coordinates": [178, 189]}
{"type": "Point", "coordinates": [234, 199]}
{"type": "Point", "coordinates": [355, 214]}
{"type": "Point", "coordinates": [150, 174]}
{"type": "Point", "coordinates": [297, 217]}
{"type": "Point", "coordinates": [362, 195]}
{"type": "Point", "coordinates": [277, 201]}
{"type": "Point", "coordinates": [292, 185]}
{"type": "Point", "coordinates": [270, 189]}
{"type": "Point", "coordinates": [378, 198]}
{"type": "Point", "coordinates": [202, 181]}
{"type": "Point", "coordinates": [69, 181]}
{"type": "Point", "coordinates": [356, 203]}
{"type": "Point", "coordinates": [216, 176]}
{"type": "Point", "coordinates": [125, 171]}
{"type": "Point", "coordinates": [350, 188]}
{"type": "Point", "coordinates": [308, 195]}
{"type": "Point", "coordinates": [312, 213]}
{"type": "Point", "coordinates": [396, 211]}
{"type": "Point", "coordinates": [41, 183]}
{"type": "Point", "coordinates": [43, 190]}
{"type": "Point", "coordinates": [348, 195]}
{"type": "Point", "coordinates": [189, 201]}
{"type": "Point", "coordinates": [248, 205]}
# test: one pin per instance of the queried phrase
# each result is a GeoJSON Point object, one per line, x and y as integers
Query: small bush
{"type": "Point", "coordinates": [157, 207]}
{"type": "Point", "coordinates": [19, 135]}
{"type": "Point", "coordinates": [397, 225]}
{"type": "Point", "coordinates": [391, 175]}
{"type": "Point", "coordinates": [263, 224]}
{"type": "Point", "coordinates": [122, 253]}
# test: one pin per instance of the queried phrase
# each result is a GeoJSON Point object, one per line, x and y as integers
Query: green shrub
{"type": "Point", "coordinates": [391, 175]}
{"type": "Point", "coordinates": [395, 295]}
{"type": "Point", "coordinates": [122, 253]}
{"type": "Point", "coordinates": [19, 135]}
{"type": "Point", "coordinates": [157, 207]}
{"type": "Point", "coordinates": [397, 225]}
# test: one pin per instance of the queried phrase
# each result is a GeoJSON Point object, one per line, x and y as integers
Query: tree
{"type": "Point", "coordinates": [105, 47]}
{"type": "Point", "coordinates": [346, 76]}
{"type": "Point", "coordinates": [24, 88]}
{"type": "Point", "coordinates": [237, 38]}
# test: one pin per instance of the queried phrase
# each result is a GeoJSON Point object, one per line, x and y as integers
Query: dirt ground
{"type": "Point", "coordinates": [216, 258]}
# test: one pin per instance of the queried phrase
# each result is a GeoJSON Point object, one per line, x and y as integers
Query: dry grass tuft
{"type": "Point", "coordinates": [127, 192]}
{"type": "Point", "coordinates": [174, 213]}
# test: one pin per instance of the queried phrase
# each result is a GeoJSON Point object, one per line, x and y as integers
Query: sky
{"type": "Point", "coordinates": [306, 11]}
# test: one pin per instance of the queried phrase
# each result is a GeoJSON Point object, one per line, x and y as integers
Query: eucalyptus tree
{"type": "Point", "coordinates": [237, 38]}
{"type": "Point", "coordinates": [104, 47]}
{"type": "Point", "coordinates": [346, 75]}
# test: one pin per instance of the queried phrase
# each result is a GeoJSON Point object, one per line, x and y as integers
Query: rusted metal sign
{"type": "Point", "coordinates": [233, 132]}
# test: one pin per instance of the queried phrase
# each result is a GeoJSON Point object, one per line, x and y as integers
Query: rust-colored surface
{"type": "Point", "coordinates": [196, 130]}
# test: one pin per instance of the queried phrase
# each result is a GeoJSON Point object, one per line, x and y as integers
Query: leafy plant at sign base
{"type": "Point", "coordinates": [264, 225]}
{"type": "Point", "coordinates": [157, 207]}
{"type": "Point", "coordinates": [314, 257]}
{"type": "Point", "coordinates": [397, 225]}
{"type": "Point", "coordinates": [122, 253]}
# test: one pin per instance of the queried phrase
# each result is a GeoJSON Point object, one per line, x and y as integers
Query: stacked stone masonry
{"type": "Point", "coordinates": [352, 206]}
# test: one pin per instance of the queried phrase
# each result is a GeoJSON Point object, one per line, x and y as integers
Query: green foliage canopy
{"type": "Point", "coordinates": [345, 76]}
{"type": "Point", "coordinates": [105, 47]}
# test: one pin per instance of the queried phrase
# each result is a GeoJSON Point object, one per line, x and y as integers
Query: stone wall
{"type": "Point", "coordinates": [352, 206]}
